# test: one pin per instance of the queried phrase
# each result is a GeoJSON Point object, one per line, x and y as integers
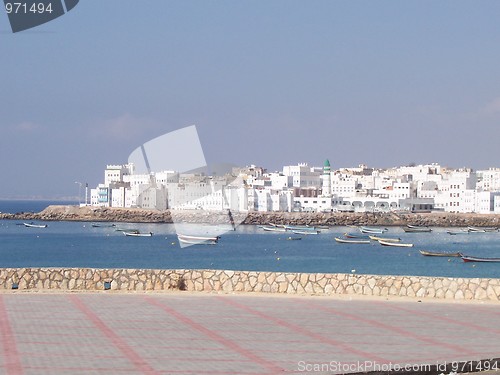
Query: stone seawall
{"type": "Point", "coordinates": [89, 279]}
{"type": "Point", "coordinates": [74, 213]}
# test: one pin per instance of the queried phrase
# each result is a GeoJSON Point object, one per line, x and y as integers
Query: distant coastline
{"type": "Point", "coordinates": [105, 214]}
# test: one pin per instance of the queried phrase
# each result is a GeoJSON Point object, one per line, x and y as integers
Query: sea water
{"type": "Point", "coordinates": [79, 244]}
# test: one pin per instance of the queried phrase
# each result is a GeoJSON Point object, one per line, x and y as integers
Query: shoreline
{"type": "Point", "coordinates": [137, 215]}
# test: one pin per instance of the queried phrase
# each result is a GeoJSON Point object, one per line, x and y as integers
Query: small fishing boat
{"type": "Point", "coordinates": [294, 238]}
{"type": "Point", "coordinates": [138, 234]}
{"type": "Point", "coordinates": [467, 258]}
{"type": "Point", "coordinates": [386, 239]}
{"type": "Point", "coordinates": [352, 241]}
{"type": "Point", "coordinates": [294, 227]}
{"type": "Point", "coordinates": [416, 229]}
{"type": "Point", "coordinates": [394, 244]}
{"type": "Point", "coordinates": [274, 229]}
{"type": "Point", "coordinates": [482, 229]}
{"type": "Point", "coordinates": [454, 233]}
{"type": "Point", "coordinates": [436, 254]}
{"type": "Point", "coordinates": [196, 242]}
{"type": "Point", "coordinates": [186, 237]}
{"type": "Point", "coordinates": [305, 232]}
{"type": "Point", "coordinates": [96, 225]}
{"type": "Point", "coordinates": [31, 225]}
{"type": "Point", "coordinates": [372, 230]}
{"type": "Point", "coordinates": [356, 235]}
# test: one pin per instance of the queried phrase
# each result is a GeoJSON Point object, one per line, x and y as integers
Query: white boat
{"type": "Point", "coordinates": [395, 244]}
{"type": "Point", "coordinates": [299, 228]}
{"type": "Point", "coordinates": [197, 240]}
{"type": "Point", "coordinates": [386, 239]}
{"type": "Point", "coordinates": [352, 241]}
{"type": "Point", "coordinates": [137, 234]}
{"type": "Point", "coordinates": [305, 232]}
{"type": "Point", "coordinates": [372, 230]}
{"type": "Point", "coordinates": [482, 229]}
{"type": "Point", "coordinates": [31, 225]}
{"type": "Point", "coordinates": [274, 229]}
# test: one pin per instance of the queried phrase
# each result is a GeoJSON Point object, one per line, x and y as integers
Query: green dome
{"type": "Point", "coordinates": [327, 163]}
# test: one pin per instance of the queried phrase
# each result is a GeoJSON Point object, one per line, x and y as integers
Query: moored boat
{"type": "Point", "coordinates": [274, 229]}
{"type": "Point", "coordinates": [197, 238]}
{"type": "Point", "coordinates": [294, 238]}
{"type": "Point", "coordinates": [468, 258]}
{"type": "Point", "coordinates": [482, 229]}
{"type": "Point", "coordinates": [356, 235]}
{"type": "Point", "coordinates": [394, 244]}
{"type": "Point", "coordinates": [372, 230]}
{"type": "Point", "coordinates": [32, 225]}
{"type": "Point", "coordinates": [198, 241]}
{"type": "Point", "coordinates": [352, 241]}
{"type": "Point", "coordinates": [416, 229]}
{"type": "Point", "coordinates": [138, 234]}
{"type": "Point", "coordinates": [300, 228]}
{"type": "Point", "coordinates": [97, 225]}
{"type": "Point", "coordinates": [386, 239]}
{"type": "Point", "coordinates": [436, 254]}
{"type": "Point", "coordinates": [305, 232]}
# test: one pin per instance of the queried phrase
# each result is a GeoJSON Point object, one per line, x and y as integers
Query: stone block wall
{"type": "Point", "coordinates": [89, 279]}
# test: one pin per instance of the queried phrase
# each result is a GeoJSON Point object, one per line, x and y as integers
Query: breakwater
{"type": "Point", "coordinates": [133, 280]}
{"type": "Point", "coordinates": [74, 213]}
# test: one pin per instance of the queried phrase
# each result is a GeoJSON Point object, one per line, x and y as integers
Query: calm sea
{"type": "Point", "coordinates": [78, 244]}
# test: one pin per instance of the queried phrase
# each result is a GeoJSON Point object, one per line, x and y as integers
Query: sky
{"type": "Point", "coordinates": [271, 83]}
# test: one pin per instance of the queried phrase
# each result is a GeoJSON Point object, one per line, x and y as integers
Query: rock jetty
{"type": "Point", "coordinates": [136, 215]}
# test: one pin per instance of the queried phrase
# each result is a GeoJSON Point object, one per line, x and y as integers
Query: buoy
{"type": "Point", "coordinates": [173, 243]}
{"type": "Point", "coordinates": [353, 271]}
{"type": "Point", "coordinates": [278, 258]}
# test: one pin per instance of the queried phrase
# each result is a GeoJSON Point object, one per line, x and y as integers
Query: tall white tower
{"type": "Point", "coordinates": [326, 187]}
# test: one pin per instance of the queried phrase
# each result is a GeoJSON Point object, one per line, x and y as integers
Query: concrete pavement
{"type": "Point", "coordinates": [100, 333]}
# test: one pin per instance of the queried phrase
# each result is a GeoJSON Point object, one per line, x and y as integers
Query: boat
{"type": "Point", "coordinates": [127, 230]}
{"type": "Point", "coordinates": [95, 225]}
{"type": "Point", "coordinates": [138, 234]}
{"type": "Point", "coordinates": [294, 238]}
{"type": "Point", "coordinates": [372, 230]}
{"type": "Point", "coordinates": [274, 229]}
{"type": "Point", "coordinates": [276, 225]}
{"type": "Point", "coordinates": [436, 254]}
{"type": "Point", "coordinates": [31, 225]}
{"type": "Point", "coordinates": [294, 227]}
{"type": "Point", "coordinates": [387, 239]}
{"type": "Point", "coordinates": [395, 244]}
{"type": "Point", "coordinates": [352, 241]}
{"type": "Point", "coordinates": [197, 240]}
{"type": "Point", "coordinates": [355, 235]}
{"type": "Point", "coordinates": [305, 232]}
{"type": "Point", "coordinates": [468, 258]}
{"type": "Point", "coordinates": [416, 229]}
{"type": "Point", "coordinates": [482, 229]}
{"type": "Point", "coordinates": [454, 233]}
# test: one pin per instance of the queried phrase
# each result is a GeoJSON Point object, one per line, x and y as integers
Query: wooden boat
{"type": "Point", "coordinates": [294, 238]}
{"type": "Point", "coordinates": [394, 244]}
{"type": "Point", "coordinates": [305, 232]}
{"type": "Point", "coordinates": [274, 229]}
{"type": "Point", "coordinates": [196, 241]}
{"type": "Point", "coordinates": [31, 225]}
{"type": "Point", "coordinates": [435, 254]}
{"type": "Point", "coordinates": [197, 238]}
{"type": "Point", "coordinates": [138, 234]}
{"type": "Point", "coordinates": [95, 225]}
{"type": "Point", "coordinates": [355, 235]}
{"type": "Point", "coordinates": [353, 241]}
{"type": "Point", "coordinates": [372, 230]}
{"type": "Point", "coordinates": [416, 229]}
{"type": "Point", "coordinates": [454, 233]}
{"type": "Point", "coordinates": [386, 239]}
{"type": "Point", "coordinates": [482, 229]}
{"type": "Point", "coordinates": [467, 258]}
{"type": "Point", "coordinates": [303, 229]}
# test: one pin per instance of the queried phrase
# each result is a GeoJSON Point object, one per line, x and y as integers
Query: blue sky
{"type": "Point", "coordinates": [384, 83]}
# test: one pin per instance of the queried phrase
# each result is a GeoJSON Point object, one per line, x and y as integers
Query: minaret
{"type": "Point", "coordinates": [326, 188]}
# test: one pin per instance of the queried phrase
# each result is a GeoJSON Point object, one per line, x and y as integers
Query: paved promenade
{"type": "Point", "coordinates": [84, 333]}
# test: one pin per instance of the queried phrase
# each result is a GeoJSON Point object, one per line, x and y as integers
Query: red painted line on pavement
{"type": "Point", "coordinates": [462, 323]}
{"type": "Point", "coordinates": [12, 360]}
{"type": "Point", "coordinates": [216, 337]}
{"type": "Point", "coordinates": [127, 351]}
{"type": "Point", "coordinates": [295, 328]}
{"type": "Point", "coordinates": [397, 330]}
